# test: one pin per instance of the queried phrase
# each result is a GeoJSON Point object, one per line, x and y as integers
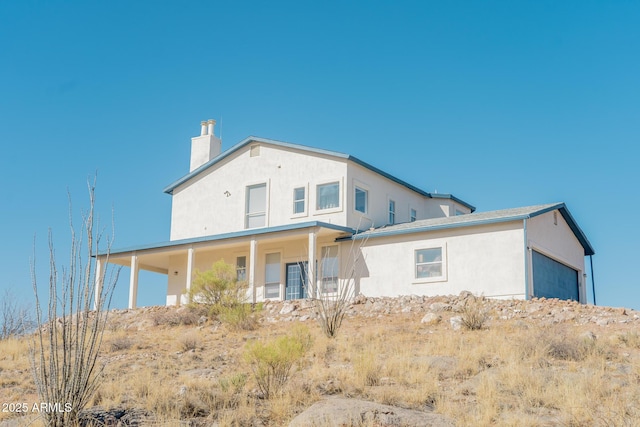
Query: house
{"type": "Point", "coordinates": [288, 216]}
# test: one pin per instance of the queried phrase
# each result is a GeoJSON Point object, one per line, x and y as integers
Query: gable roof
{"type": "Point", "coordinates": [480, 218]}
{"type": "Point", "coordinates": [169, 189]}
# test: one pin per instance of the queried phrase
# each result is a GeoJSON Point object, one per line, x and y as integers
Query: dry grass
{"type": "Point", "coordinates": [506, 374]}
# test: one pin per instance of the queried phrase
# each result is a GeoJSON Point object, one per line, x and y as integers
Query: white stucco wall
{"type": "Point", "coordinates": [487, 260]}
{"type": "Point", "coordinates": [555, 239]}
{"type": "Point", "coordinates": [380, 191]}
{"type": "Point", "coordinates": [202, 207]}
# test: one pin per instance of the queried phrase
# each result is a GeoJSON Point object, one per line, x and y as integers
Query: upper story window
{"type": "Point", "coordinates": [299, 200]}
{"type": "Point", "coordinates": [413, 215]}
{"type": "Point", "coordinates": [392, 212]}
{"type": "Point", "coordinates": [361, 200]}
{"type": "Point", "coordinates": [429, 263]}
{"type": "Point", "coordinates": [256, 206]}
{"type": "Point", "coordinates": [459, 212]}
{"type": "Point", "coordinates": [328, 196]}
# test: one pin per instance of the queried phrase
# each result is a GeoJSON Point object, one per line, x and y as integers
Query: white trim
{"type": "Point", "coordinates": [445, 264]}
{"type": "Point", "coordinates": [305, 212]}
{"type": "Point", "coordinates": [341, 201]}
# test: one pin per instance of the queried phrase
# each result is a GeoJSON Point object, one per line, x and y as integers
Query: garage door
{"type": "Point", "coordinates": [552, 279]}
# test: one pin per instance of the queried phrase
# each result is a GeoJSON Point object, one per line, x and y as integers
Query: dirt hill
{"type": "Point", "coordinates": [396, 361]}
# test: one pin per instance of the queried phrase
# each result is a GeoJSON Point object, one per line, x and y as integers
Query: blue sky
{"type": "Point", "coordinates": [500, 103]}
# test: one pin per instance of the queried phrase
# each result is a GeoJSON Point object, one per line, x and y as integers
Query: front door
{"type": "Point", "coordinates": [296, 287]}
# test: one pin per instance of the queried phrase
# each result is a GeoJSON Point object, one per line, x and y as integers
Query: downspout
{"type": "Point", "coordinates": [593, 281]}
{"type": "Point", "coordinates": [526, 261]}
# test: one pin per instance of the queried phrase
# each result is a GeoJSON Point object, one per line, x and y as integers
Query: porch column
{"type": "Point", "coordinates": [313, 291]}
{"type": "Point", "coordinates": [190, 258]}
{"type": "Point", "coordinates": [253, 253]}
{"type": "Point", "coordinates": [98, 290]}
{"type": "Point", "coordinates": [133, 282]}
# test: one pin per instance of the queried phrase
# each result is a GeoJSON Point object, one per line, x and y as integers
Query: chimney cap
{"type": "Point", "coordinates": [211, 121]}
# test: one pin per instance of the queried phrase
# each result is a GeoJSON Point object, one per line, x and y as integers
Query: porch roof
{"type": "Point", "coordinates": [177, 244]}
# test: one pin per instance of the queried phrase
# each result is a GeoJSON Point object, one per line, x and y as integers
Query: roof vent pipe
{"type": "Point", "coordinates": [210, 124]}
{"type": "Point", "coordinates": [203, 127]}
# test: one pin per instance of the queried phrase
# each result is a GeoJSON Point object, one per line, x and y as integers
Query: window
{"type": "Point", "coordinates": [272, 276]}
{"type": "Point", "coordinates": [299, 200]}
{"type": "Point", "coordinates": [329, 269]}
{"type": "Point", "coordinates": [392, 212]}
{"type": "Point", "coordinates": [256, 206]}
{"type": "Point", "coordinates": [413, 215]}
{"type": "Point", "coordinates": [328, 196]}
{"type": "Point", "coordinates": [459, 212]}
{"type": "Point", "coordinates": [361, 200]}
{"type": "Point", "coordinates": [241, 268]}
{"type": "Point", "coordinates": [428, 263]}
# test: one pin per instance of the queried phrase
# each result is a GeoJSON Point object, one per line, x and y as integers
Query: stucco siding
{"type": "Point", "coordinates": [214, 201]}
{"type": "Point", "coordinates": [487, 260]}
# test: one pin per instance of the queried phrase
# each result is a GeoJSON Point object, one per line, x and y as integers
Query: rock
{"type": "Point", "coordinates": [288, 308]}
{"type": "Point", "coordinates": [113, 417]}
{"type": "Point", "coordinates": [431, 319]}
{"type": "Point", "coordinates": [337, 411]}
{"type": "Point", "coordinates": [456, 323]}
{"type": "Point", "coordinates": [440, 306]}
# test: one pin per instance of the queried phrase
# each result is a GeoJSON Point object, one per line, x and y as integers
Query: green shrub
{"type": "Point", "coordinates": [240, 316]}
{"type": "Point", "coordinates": [218, 288]}
{"type": "Point", "coordinates": [271, 362]}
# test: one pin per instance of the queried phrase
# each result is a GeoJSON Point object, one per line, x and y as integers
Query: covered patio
{"type": "Point", "coordinates": [275, 261]}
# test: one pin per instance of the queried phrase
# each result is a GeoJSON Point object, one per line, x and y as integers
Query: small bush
{"type": "Point", "coordinates": [241, 316]}
{"type": "Point", "coordinates": [474, 314]}
{"type": "Point", "coordinates": [271, 362]}
{"type": "Point", "coordinates": [180, 317]}
{"type": "Point", "coordinates": [218, 288]}
{"type": "Point", "coordinates": [120, 343]}
{"type": "Point", "coordinates": [189, 342]}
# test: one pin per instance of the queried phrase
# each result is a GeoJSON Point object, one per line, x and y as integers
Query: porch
{"type": "Point", "coordinates": [275, 261]}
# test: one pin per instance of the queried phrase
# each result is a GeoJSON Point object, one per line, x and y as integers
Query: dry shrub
{"type": "Point", "coordinates": [474, 314]}
{"type": "Point", "coordinates": [186, 316]}
{"type": "Point", "coordinates": [120, 343]}
{"type": "Point", "coordinates": [630, 339]}
{"type": "Point", "coordinates": [272, 362]}
{"type": "Point", "coordinates": [189, 342]}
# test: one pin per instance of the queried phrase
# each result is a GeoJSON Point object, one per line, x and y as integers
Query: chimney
{"type": "Point", "coordinates": [204, 147]}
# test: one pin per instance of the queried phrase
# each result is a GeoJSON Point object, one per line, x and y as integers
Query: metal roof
{"type": "Point", "coordinates": [479, 218]}
{"type": "Point", "coordinates": [226, 236]}
{"type": "Point", "coordinates": [169, 189]}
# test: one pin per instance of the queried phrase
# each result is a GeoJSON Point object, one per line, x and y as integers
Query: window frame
{"type": "Point", "coordinates": [413, 215]}
{"type": "Point", "coordinates": [304, 200]}
{"type": "Point", "coordinates": [356, 189]}
{"type": "Point", "coordinates": [322, 280]}
{"type": "Point", "coordinates": [272, 283]}
{"type": "Point", "coordinates": [247, 214]}
{"type": "Point", "coordinates": [241, 269]}
{"type": "Point", "coordinates": [333, 208]}
{"type": "Point", "coordinates": [391, 216]}
{"type": "Point", "coordinates": [443, 262]}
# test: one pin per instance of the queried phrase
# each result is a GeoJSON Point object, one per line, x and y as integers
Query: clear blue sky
{"type": "Point", "coordinates": [502, 104]}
